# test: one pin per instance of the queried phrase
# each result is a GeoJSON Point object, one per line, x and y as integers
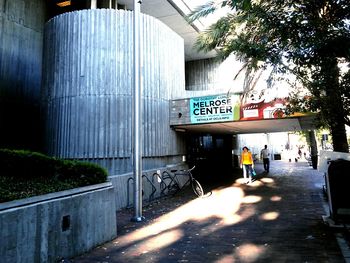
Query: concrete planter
{"type": "Point", "coordinates": [49, 227]}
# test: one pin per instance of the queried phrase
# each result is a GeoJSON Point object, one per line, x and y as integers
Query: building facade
{"type": "Point", "coordinates": [66, 87]}
{"type": "Point", "coordinates": [66, 82]}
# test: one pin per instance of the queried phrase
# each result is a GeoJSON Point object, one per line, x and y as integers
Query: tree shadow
{"type": "Point", "coordinates": [267, 221]}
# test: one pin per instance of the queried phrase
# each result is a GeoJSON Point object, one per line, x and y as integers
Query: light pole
{"type": "Point", "coordinates": [137, 120]}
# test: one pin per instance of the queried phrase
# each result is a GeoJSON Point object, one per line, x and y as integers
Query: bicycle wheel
{"type": "Point", "coordinates": [197, 188]}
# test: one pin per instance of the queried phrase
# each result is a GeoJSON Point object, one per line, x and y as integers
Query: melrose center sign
{"type": "Point", "coordinates": [218, 108]}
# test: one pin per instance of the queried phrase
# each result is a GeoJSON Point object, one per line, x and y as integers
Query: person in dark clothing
{"type": "Point", "coordinates": [265, 156]}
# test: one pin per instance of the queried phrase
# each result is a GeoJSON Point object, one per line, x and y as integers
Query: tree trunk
{"type": "Point", "coordinates": [336, 122]}
{"type": "Point", "coordinates": [333, 109]}
{"type": "Point", "coordinates": [338, 132]}
{"type": "Point", "coordinates": [313, 149]}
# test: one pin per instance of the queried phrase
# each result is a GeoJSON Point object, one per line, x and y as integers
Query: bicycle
{"type": "Point", "coordinates": [168, 183]}
{"type": "Point", "coordinates": [196, 186]}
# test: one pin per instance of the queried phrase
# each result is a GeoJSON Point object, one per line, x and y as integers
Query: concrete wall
{"type": "Point", "coordinates": [124, 183]}
{"type": "Point", "coordinates": [33, 229]}
{"type": "Point", "coordinates": [50, 227]}
{"type": "Point", "coordinates": [21, 45]}
{"type": "Point", "coordinates": [214, 76]}
{"type": "Point", "coordinates": [87, 88]}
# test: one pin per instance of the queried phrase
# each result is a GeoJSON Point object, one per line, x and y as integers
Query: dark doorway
{"type": "Point", "coordinates": [212, 155]}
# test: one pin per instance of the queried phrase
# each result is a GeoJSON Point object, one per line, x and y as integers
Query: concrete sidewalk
{"type": "Point", "coordinates": [277, 218]}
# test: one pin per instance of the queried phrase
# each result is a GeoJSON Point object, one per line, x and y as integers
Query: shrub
{"type": "Point", "coordinates": [25, 173]}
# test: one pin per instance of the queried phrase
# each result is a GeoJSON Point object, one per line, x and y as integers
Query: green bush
{"type": "Point", "coordinates": [25, 173]}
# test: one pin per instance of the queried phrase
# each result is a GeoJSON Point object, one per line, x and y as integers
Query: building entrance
{"type": "Point", "coordinates": [212, 155]}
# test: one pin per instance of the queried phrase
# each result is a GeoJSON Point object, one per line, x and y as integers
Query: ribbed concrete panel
{"type": "Point", "coordinates": [200, 74]}
{"type": "Point", "coordinates": [87, 88]}
{"type": "Point", "coordinates": [21, 40]}
{"type": "Point", "coordinates": [212, 74]}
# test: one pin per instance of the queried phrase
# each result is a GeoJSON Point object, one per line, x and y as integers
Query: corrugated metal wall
{"type": "Point", "coordinates": [87, 87]}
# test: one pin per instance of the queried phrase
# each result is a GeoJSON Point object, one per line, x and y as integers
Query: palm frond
{"type": "Point", "coordinates": [216, 35]}
{"type": "Point", "coordinates": [201, 11]}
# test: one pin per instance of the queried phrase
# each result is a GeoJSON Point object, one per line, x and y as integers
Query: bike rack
{"type": "Point", "coordinates": [151, 196]}
{"type": "Point", "coordinates": [128, 205]}
{"type": "Point", "coordinates": [173, 182]}
{"type": "Point", "coordinates": [154, 189]}
{"type": "Point", "coordinates": [164, 186]}
{"type": "Point", "coordinates": [159, 179]}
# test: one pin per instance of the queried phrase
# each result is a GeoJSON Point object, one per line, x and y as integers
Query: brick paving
{"type": "Point", "coordinates": [277, 218]}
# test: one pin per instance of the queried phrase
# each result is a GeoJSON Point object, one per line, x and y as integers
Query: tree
{"type": "Point", "coordinates": [307, 38]}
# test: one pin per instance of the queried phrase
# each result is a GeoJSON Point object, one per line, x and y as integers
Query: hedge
{"type": "Point", "coordinates": [24, 174]}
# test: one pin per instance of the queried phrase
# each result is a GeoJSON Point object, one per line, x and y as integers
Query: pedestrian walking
{"type": "Point", "coordinates": [265, 156]}
{"type": "Point", "coordinates": [247, 164]}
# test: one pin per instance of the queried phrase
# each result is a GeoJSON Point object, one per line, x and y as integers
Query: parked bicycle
{"type": "Point", "coordinates": [196, 186]}
{"type": "Point", "coordinates": [170, 185]}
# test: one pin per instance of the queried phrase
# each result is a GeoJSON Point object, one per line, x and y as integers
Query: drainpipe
{"type": "Point", "coordinates": [137, 116]}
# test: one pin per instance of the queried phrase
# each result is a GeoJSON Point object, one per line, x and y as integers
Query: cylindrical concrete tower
{"type": "Point", "coordinates": [87, 88]}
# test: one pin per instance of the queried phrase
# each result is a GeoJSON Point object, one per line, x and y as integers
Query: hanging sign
{"type": "Point", "coordinates": [217, 108]}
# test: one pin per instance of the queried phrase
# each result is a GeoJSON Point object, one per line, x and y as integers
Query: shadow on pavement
{"type": "Point", "coordinates": [276, 218]}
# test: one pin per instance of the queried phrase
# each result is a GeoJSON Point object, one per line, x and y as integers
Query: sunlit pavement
{"type": "Point", "coordinates": [276, 218]}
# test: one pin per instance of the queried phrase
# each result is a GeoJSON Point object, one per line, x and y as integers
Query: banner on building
{"type": "Point", "coordinates": [223, 108]}
{"type": "Point", "coordinates": [217, 108]}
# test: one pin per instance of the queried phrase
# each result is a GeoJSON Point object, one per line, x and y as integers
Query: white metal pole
{"type": "Point", "coordinates": [137, 108]}
{"type": "Point", "coordinates": [93, 4]}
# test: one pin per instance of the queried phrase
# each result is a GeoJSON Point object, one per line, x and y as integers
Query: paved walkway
{"type": "Point", "coordinates": [277, 218]}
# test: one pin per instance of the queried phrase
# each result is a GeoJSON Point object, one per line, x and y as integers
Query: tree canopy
{"type": "Point", "coordinates": [307, 38]}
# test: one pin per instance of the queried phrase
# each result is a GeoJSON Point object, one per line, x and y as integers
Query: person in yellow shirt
{"type": "Point", "coordinates": [247, 164]}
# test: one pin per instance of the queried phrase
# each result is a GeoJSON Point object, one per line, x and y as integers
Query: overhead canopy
{"type": "Point", "coordinates": [227, 115]}
{"type": "Point", "coordinates": [255, 126]}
